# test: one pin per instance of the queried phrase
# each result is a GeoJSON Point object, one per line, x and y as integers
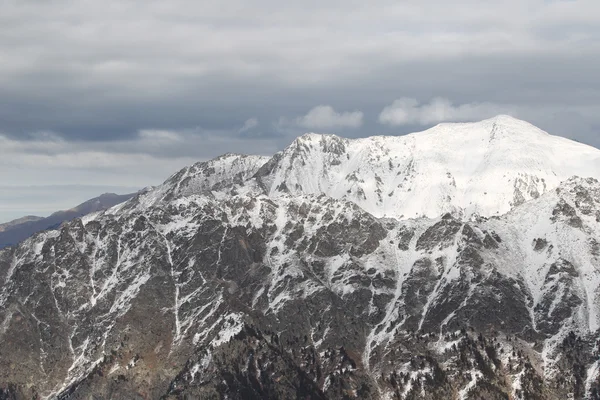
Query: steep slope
{"type": "Point", "coordinates": [16, 231]}
{"type": "Point", "coordinates": [212, 286]}
{"type": "Point", "coordinates": [483, 168]}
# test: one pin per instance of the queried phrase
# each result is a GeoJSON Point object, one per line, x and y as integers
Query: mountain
{"type": "Point", "coordinates": [18, 230]}
{"type": "Point", "coordinates": [483, 168]}
{"type": "Point", "coordinates": [247, 277]}
{"type": "Point", "coordinates": [19, 221]}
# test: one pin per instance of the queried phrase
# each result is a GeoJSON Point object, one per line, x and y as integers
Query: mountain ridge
{"type": "Point", "coordinates": [358, 174]}
{"type": "Point", "coordinates": [17, 230]}
{"type": "Point", "coordinates": [28, 218]}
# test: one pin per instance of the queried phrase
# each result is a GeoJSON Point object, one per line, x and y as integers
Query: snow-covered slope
{"type": "Point", "coordinates": [484, 168]}
{"type": "Point", "coordinates": [555, 240]}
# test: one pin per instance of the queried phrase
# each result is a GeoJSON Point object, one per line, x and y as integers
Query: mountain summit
{"type": "Point", "coordinates": [462, 262]}
{"type": "Point", "coordinates": [484, 168]}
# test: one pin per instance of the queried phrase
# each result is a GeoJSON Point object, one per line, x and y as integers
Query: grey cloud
{"type": "Point", "coordinates": [105, 70]}
{"type": "Point", "coordinates": [129, 91]}
{"type": "Point", "coordinates": [250, 124]}
{"type": "Point", "coordinates": [146, 159]}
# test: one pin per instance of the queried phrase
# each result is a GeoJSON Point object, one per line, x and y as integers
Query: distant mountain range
{"type": "Point", "coordinates": [13, 232]}
{"type": "Point", "coordinates": [19, 221]}
{"type": "Point", "coordinates": [459, 263]}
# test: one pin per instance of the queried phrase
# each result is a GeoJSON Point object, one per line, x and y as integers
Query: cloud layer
{"type": "Point", "coordinates": [250, 124]}
{"type": "Point", "coordinates": [125, 92]}
{"type": "Point", "coordinates": [325, 117]}
{"type": "Point", "coordinates": [98, 70]}
{"type": "Point", "coordinates": [408, 111]}
{"type": "Point", "coordinates": [145, 159]}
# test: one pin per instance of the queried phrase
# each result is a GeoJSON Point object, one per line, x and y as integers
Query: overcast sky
{"type": "Point", "coordinates": [118, 94]}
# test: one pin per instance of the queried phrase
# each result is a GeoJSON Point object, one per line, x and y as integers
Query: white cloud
{"type": "Point", "coordinates": [250, 124]}
{"type": "Point", "coordinates": [145, 159]}
{"type": "Point", "coordinates": [325, 117]}
{"type": "Point", "coordinates": [408, 111]}
{"type": "Point", "coordinates": [48, 161]}
{"type": "Point", "coordinates": [159, 135]}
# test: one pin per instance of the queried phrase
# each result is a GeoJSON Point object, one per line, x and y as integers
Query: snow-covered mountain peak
{"type": "Point", "coordinates": [504, 126]}
{"type": "Point", "coordinates": [485, 168]}
{"type": "Point", "coordinates": [492, 129]}
{"type": "Point", "coordinates": [328, 143]}
{"type": "Point", "coordinates": [316, 137]}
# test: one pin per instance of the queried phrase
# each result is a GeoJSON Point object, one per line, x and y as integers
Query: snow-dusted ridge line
{"type": "Point", "coordinates": [484, 168]}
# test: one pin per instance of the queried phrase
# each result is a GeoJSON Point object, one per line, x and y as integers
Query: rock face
{"type": "Point", "coordinates": [230, 282]}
